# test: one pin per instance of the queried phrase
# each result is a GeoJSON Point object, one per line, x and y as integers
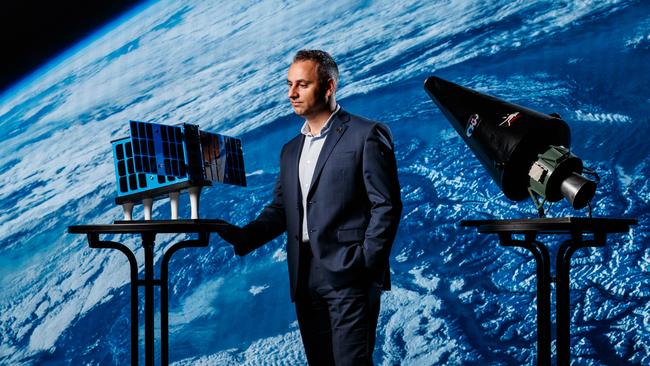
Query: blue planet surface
{"type": "Point", "coordinates": [458, 298]}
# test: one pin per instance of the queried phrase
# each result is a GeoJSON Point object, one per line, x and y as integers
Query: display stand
{"type": "Point", "coordinates": [148, 231]}
{"type": "Point", "coordinates": [530, 229]}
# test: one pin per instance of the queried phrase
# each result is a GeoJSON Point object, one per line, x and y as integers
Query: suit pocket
{"type": "Point", "coordinates": [345, 158]}
{"type": "Point", "coordinates": [343, 154]}
{"type": "Point", "coordinates": [351, 235]}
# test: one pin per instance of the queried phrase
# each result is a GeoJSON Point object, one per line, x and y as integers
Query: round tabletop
{"type": "Point", "coordinates": [553, 225]}
{"type": "Point", "coordinates": [150, 226]}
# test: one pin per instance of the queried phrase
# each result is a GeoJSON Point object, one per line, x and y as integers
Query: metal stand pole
{"type": "Point", "coordinates": [94, 242]}
{"type": "Point", "coordinates": [149, 283]}
{"type": "Point", "coordinates": [563, 290]}
{"type": "Point", "coordinates": [531, 228]}
{"type": "Point", "coordinates": [543, 269]}
{"type": "Point", "coordinates": [203, 241]}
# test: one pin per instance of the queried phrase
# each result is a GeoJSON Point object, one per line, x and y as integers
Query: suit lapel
{"type": "Point", "coordinates": [295, 163]}
{"type": "Point", "coordinates": [334, 135]}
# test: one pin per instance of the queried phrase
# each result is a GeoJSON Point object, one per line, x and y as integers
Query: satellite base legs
{"type": "Point", "coordinates": [128, 211]}
{"type": "Point", "coordinates": [195, 195]}
{"type": "Point", "coordinates": [173, 202]}
{"type": "Point", "coordinates": [148, 204]}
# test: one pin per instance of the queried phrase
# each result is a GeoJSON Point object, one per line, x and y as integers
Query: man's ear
{"type": "Point", "coordinates": [331, 88]}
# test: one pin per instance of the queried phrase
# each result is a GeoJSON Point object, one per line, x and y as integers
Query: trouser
{"type": "Point", "coordinates": [337, 326]}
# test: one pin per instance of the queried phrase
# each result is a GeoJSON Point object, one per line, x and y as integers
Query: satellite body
{"type": "Point", "coordinates": [159, 161]}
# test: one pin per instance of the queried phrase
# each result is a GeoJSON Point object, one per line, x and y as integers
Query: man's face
{"type": "Point", "coordinates": [306, 96]}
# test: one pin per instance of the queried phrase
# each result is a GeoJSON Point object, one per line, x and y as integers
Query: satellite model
{"type": "Point", "coordinates": [159, 161]}
{"type": "Point", "coordinates": [526, 152]}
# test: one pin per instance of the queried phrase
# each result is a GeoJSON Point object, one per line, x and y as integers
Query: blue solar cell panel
{"type": "Point", "coordinates": [158, 149]}
{"type": "Point", "coordinates": [131, 181]}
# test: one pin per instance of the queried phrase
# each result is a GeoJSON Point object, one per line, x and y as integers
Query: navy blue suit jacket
{"type": "Point", "coordinates": [353, 205]}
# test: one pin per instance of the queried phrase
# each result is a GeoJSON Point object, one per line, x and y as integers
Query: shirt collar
{"type": "Point", "coordinates": [307, 132]}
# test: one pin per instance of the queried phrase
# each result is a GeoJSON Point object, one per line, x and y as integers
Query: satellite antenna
{"type": "Point", "coordinates": [158, 161]}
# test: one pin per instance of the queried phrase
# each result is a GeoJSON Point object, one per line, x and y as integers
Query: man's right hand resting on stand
{"type": "Point", "coordinates": [236, 236]}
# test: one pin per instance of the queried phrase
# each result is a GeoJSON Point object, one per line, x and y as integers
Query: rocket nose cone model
{"type": "Point", "coordinates": [514, 144]}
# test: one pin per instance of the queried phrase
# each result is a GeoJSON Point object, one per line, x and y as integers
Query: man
{"type": "Point", "coordinates": [338, 198]}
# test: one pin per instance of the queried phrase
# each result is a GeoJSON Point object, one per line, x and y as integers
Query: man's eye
{"type": "Point", "coordinates": [303, 86]}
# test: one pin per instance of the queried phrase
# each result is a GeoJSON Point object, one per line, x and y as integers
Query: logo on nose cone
{"type": "Point", "coordinates": [472, 123]}
{"type": "Point", "coordinates": [508, 119]}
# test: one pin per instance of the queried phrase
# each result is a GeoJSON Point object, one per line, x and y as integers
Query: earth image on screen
{"type": "Point", "coordinates": [458, 298]}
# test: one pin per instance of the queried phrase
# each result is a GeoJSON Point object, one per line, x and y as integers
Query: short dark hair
{"type": "Point", "coordinates": [327, 68]}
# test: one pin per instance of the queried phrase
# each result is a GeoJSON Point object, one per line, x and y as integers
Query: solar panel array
{"type": "Point", "coordinates": [129, 180]}
{"type": "Point", "coordinates": [158, 149]}
{"type": "Point", "coordinates": [223, 159]}
{"type": "Point", "coordinates": [157, 156]}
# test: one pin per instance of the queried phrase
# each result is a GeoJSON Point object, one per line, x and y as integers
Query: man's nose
{"type": "Point", "coordinates": [293, 92]}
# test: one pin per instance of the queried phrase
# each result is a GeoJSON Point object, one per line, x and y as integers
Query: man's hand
{"type": "Point", "coordinates": [236, 236]}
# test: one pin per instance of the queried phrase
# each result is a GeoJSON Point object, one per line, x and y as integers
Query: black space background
{"type": "Point", "coordinates": [33, 32]}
